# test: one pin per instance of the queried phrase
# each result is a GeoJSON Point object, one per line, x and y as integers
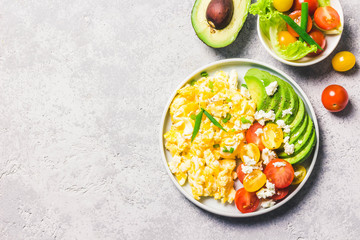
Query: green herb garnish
{"type": "Point", "coordinates": [227, 118]}
{"type": "Point", "coordinates": [304, 16]}
{"type": "Point", "coordinates": [216, 146]}
{"type": "Point", "coordinates": [192, 82]}
{"type": "Point", "coordinates": [213, 120]}
{"type": "Point", "coordinates": [211, 86]}
{"type": "Point", "coordinates": [303, 34]}
{"type": "Point", "coordinates": [204, 74]}
{"type": "Point", "coordinates": [244, 120]}
{"type": "Point", "coordinates": [244, 85]}
{"type": "Point", "coordinates": [193, 116]}
{"type": "Point", "coordinates": [228, 100]}
{"type": "Point", "coordinates": [225, 150]}
{"type": "Point", "coordinates": [233, 129]}
{"type": "Point", "coordinates": [197, 124]}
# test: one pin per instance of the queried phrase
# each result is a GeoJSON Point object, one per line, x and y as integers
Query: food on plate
{"type": "Point", "coordinates": [218, 22]}
{"type": "Point", "coordinates": [343, 61]}
{"type": "Point", "coordinates": [261, 127]}
{"type": "Point", "coordinates": [334, 98]}
{"type": "Point", "coordinates": [299, 31]}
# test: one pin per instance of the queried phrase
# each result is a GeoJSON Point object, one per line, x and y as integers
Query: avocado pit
{"type": "Point", "coordinates": [219, 13]}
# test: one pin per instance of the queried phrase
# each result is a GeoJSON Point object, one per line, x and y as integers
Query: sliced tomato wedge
{"type": "Point", "coordinates": [281, 176]}
{"type": "Point", "coordinates": [327, 18]}
{"type": "Point", "coordinates": [280, 193]}
{"type": "Point", "coordinates": [240, 173]}
{"type": "Point", "coordinates": [245, 201]}
{"type": "Point", "coordinates": [252, 137]}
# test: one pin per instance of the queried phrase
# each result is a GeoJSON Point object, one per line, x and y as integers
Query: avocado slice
{"type": "Point", "coordinates": [301, 131]}
{"type": "Point", "coordinates": [218, 38]}
{"type": "Point", "coordinates": [280, 95]}
{"type": "Point", "coordinates": [294, 105]}
{"type": "Point", "coordinates": [305, 153]}
{"type": "Point", "coordinates": [301, 113]}
{"type": "Point", "coordinates": [256, 81]}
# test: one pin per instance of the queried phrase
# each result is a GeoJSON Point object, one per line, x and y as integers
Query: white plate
{"type": "Point", "coordinates": [241, 66]}
{"type": "Point", "coordinates": [331, 43]}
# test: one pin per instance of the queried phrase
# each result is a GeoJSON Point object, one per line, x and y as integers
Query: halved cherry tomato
{"type": "Point", "coordinates": [334, 98]}
{"type": "Point", "coordinates": [282, 176]}
{"type": "Point", "coordinates": [327, 18]}
{"type": "Point", "coordinates": [280, 193]}
{"type": "Point", "coordinates": [299, 173]}
{"type": "Point", "coordinates": [312, 5]}
{"type": "Point", "coordinates": [296, 16]}
{"type": "Point", "coordinates": [285, 38]}
{"type": "Point", "coordinates": [240, 173]}
{"type": "Point", "coordinates": [319, 38]}
{"type": "Point", "coordinates": [254, 181]}
{"type": "Point", "coordinates": [273, 136]}
{"type": "Point", "coordinates": [250, 150]}
{"type": "Point", "coordinates": [245, 201]}
{"type": "Point", "coordinates": [251, 136]}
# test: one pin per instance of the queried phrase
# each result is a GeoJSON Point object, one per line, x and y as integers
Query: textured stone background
{"type": "Point", "coordinates": [83, 87]}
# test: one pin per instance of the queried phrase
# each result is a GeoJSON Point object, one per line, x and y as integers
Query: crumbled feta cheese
{"type": "Point", "coordinates": [286, 139]}
{"type": "Point", "coordinates": [279, 164]}
{"type": "Point", "coordinates": [249, 161]}
{"type": "Point", "coordinates": [233, 79]}
{"type": "Point", "coordinates": [281, 124]}
{"type": "Point", "coordinates": [248, 169]}
{"type": "Point", "coordinates": [266, 192]}
{"type": "Point", "coordinates": [286, 112]}
{"type": "Point", "coordinates": [267, 203]}
{"type": "Point", "coordinates": [259, 131]}
{"type": "Point", "coordinates": [245, 92]}
{"type": "Point", "coordinates": [267, 155]}
{"type": "Point", "coordinates": [297, 134]}
{"type": "Point", "coordinates": [286, 129]}
{"type": "Point", "coordinates": [262, 116]}
{"type": "Point", "coordinates": [300, 142]}
{"type": "Point", "coordinates": [271, 88]}
{"type": "Point", "coordinates": [289, 148]}
{"type": "Point", "coordinates": [239, 126]}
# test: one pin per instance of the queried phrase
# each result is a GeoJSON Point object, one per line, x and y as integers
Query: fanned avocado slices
{"type": "Point", "coordinates": [305, 153]}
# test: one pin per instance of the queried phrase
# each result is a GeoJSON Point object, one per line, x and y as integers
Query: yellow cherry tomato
{"type": "Point", "coordinates": [283, 5]}
{"type": "Point", "coordinates": [272, 136]}
{"type": "Point", "coordinates": [343, 61]}
{"type": "Point", "coordinates": [285, 38]}
{"type": "Point", "coordinates": [299, 174]}
{"type": "Point", "coordinates": [254, 181]}
{"type": "Point", "coordinates": [250, 150]}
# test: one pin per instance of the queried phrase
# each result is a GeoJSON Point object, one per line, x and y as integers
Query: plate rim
{"type": "Point", "coordinates": [162, 142]}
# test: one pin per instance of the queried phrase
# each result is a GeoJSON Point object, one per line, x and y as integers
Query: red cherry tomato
{"type": "Point", "coordinates": [296, 16]}
{"type": "Point", "coordinates": [280, 193]}
{"type": "Point", "coordinates": [251, 136]}
{"type": "Point", "coordinates": [334, 98]}
{"type": "Point", "coordinates": [319, 39]}
{"type": "Point", "coordinates": [313, 5]}
{"type": "Point", "coordinates": [327, 18]}
{"type": "Point", "coordinates": [282, 176]}
{"type": "Point", "coordinates": [240, 173]}
{"type": "Point", "coordinates": [246, 201]}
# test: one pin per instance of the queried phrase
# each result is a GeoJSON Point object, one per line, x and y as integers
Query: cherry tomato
{"type": "Point", "coordinates": [343, 61]}
{"type": "Point", "coordinates": [296, 16]}
{"type": "Point", "coordinates": [319, 38]}
{"type": "Point", "coordinates": [285, 38]}
{"type": "Point", "coordinates": [240, 173]}
{"type": "Point", "coordinates": [245, 201]}
{"type": "Point", "coordinates": [327, 18]}
{"type": "Point", "coordinates": [283, 5]}
{"type": "Point", "coordinates": [250, 150]}
{"type": "Point", "coordinates": [254, 181]}
{"type": "Point", "coordinates": [282, 176]}
{"type": "Point", "coordinates": [334, 98]}
{"type": "Point", "coordinates": [273, 136]}
{"type": "Point", "coordinates": [312, 4]}
{"type": "Point", "coordinates": [280, 193]}
{"type": "Point", "coordinates": [299, 173]}
{"type": "Point", "coordinates": [252, 137]}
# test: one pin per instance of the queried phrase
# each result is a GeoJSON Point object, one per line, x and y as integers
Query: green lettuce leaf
{"type": "Point", "coordinates": [324, 3]}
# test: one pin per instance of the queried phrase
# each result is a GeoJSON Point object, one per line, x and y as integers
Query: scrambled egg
{"type": "Point", "coordinates": [206, 163]}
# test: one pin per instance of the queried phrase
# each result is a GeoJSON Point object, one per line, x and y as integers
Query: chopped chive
{"type": "Point", "coordinates": [244, 120]}
{"type": "Point", "coordinates": [213, 120]}
{"type": "Point", "coordinates": [216, 146]}
{"type": "Point", "coordinates": [303, 34]}
{"type": "Point", "coordinates": [193, 116]}
{"type": "Point", "coordinates": [231, 150]}
{"type": "Point", "coordinates": [197, 125]}
{"type": "Point", "coordinates": [228, 100]}
{"type": "Point", "coordinates": [225, 150]}
{"type": "Point", "coordinates": [244, 85]}
{"type": "Point", "coordinates": [304, 16]}
{"type": "Point", "coordinates": [233, 129]}
{"type": "Point", "coordinates": [211, 86]}
{"type": "Point", "coordinates": [192, 82]}
{"type": "Point", "coordinates": [204, 74]}
{"type": "Point", "coordinates": [227, 118]}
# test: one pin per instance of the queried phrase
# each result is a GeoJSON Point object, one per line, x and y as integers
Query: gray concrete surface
{"type": "Point", "coordinates": [83, 85]}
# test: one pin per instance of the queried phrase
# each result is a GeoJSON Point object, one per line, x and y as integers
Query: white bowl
{"type": "Point", "coordinates": [241, 66]}
{"type": "Point", "coordinates": [331, 43]}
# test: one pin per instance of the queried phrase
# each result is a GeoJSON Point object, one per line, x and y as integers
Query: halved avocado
{"type": "Point", "coordinates": [305, 153]}
{"type": "Point", "coordinates": [212, 35]}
